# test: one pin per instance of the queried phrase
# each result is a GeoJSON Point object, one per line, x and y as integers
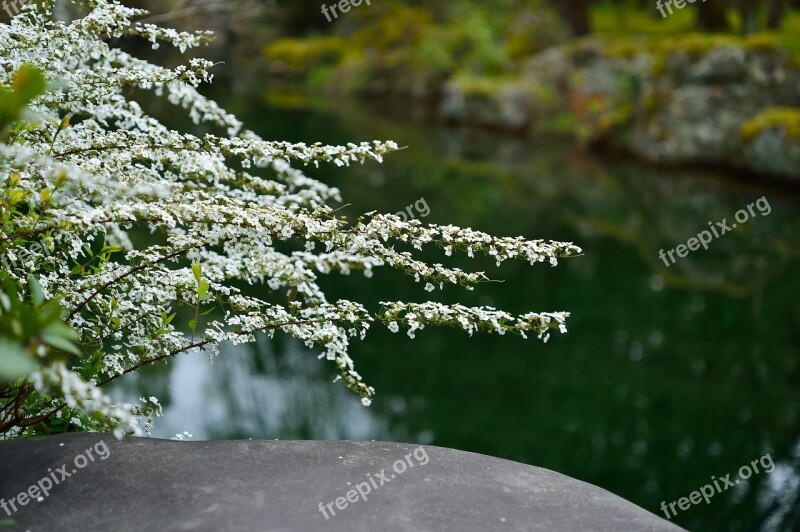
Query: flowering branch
{"type": "Point", "coordinates": [82, 182]}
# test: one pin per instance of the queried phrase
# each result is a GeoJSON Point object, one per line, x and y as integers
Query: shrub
{"type": "Point", "coordinates": [239, 234]}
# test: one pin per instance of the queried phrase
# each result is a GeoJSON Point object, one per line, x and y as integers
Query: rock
{"type": "Point", "coordinates": [772, 142]}
{"type": "Point", "coordinates": [488, 103]}
{"type": "Point", "coordinates": [551, 68]}
{"type": "Point", "coordinates": [681, 130]}
{"type": "Point", "coordinates": [587, 52]}
{"type": "Point", "coordinates": [672, 101]}
{"type": "Point", "coordinates": [693, 111]}
{"type": "Point", "coordinates": [142, 484]}
{"type": "Point", "coordinates": [725, 64]}
{"type": "Point", "coordinates": [677, 66]}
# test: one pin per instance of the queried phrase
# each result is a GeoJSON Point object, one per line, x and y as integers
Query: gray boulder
{"type": "Point", "coordinates": [773, 152]}
{"type": "Point", "coordinates": [505, 106]}
{"type": "Point", "coordinates": [155, 485]}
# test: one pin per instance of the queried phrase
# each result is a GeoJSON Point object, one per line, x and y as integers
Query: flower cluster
{"type": "Point", "coordinates": [147, 235]}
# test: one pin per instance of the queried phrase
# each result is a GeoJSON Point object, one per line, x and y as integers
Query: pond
{"type": "Point", "coordinates": [669, 375]}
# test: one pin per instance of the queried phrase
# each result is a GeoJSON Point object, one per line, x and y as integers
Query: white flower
{"type": "Point", "coordinates": [216, 226]}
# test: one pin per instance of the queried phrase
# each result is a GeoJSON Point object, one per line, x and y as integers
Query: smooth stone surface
{"type": "Point", "coordinates": [161, 485]}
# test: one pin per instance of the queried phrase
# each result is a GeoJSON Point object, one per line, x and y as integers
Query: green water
{"type": "Point", "coordinates": [667, 376]}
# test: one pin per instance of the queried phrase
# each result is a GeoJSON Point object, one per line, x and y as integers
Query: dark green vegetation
{"type": "Point", "coordinates": [587, 16]}
{"type": "Point", "coordinates": [412, 47]}
{"type": "Point", "coordinates": [666, 377]}
{"type": "Point", "coordinates": [656, 89]}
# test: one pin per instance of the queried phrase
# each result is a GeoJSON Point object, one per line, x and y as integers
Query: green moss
{"type": "Point", "coordinates": [290, 99]}
{"type": "Point", "coordinates": [694, 45]}
{"type": "Point", "coordinates": [481, 86]}
{"type": "Point", "coordinates": [763, 41]}
{"type": "Point", "coordinates": [625, 31]}
{"type": "Point", "coordinates": [786, 118]}
{"type": "Point", "coordinates": [622, 48]}
{"type": "Point", "coordinates": [391, 26]}
{"type": "Point", "coordinates": [620, 19]}
{"type": "Point", "coordinates": [545, 95]}
{"type": "Point", "coordinates": [304, 54]}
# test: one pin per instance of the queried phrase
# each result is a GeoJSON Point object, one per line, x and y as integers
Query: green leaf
{"type": "Point", "coordinates": [61, 343]}
{"type": "Point", "coordinates": [36, 291]}
{"type": "Point", "coordinates": [16, 195]}
{"type": "Point", "coordinates": [202, 289]}
{"type": "Point", "coordinates": [14, 361]}
{"type": "Point", "coordinates": [63, 330]}
{"type": "Point", "coordinates": [28, 83]}
{"type": "Point", "coordinates": [197, 270]}
{"type": "Point", "coordinates": [61, 336]}
{"type": "Point", "coordinates": [50, 312]}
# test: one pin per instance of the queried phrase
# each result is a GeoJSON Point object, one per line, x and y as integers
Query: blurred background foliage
{"type": "Point", "coordinates": [668, 375]}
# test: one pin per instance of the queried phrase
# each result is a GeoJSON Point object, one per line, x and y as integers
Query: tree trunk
{"type": "Point", "coordinates": [711, 15]}
{"type": "Point", "coordinates": [576, 13]}
{"type": "Point", "coordinates": [777, 8]}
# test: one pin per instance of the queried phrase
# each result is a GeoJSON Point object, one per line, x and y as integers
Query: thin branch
{"type": "Point", "coordinates": [77, 151]}
{"type": "Point", "coordinates": [201, 344]}
{"type": "Point", "coordinates": [130, 272]}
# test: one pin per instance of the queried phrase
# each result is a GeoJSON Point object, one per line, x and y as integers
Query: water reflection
{"type": "Point", "coordinates": [263, 390]}
{"type": "Point", "coordinates": [667, 376]}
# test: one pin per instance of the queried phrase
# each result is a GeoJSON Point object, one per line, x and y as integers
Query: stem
{"type": "Point", "coordinates": [130, 272]}
{"type": "Point", "coordinates": [201, 344]}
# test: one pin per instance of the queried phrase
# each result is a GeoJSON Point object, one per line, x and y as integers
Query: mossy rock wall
{"type": "Point", "coordinates": [723, 101]}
